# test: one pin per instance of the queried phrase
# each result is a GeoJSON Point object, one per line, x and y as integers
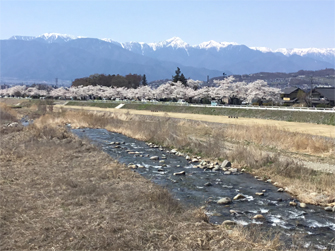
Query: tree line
{"type": "Point", "coordinates": [128, 81]}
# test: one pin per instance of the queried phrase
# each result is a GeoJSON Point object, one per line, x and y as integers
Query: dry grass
{"type": "Point", "coordinates": [208, 141]}
{"type": "Point", "coordinates": [58, 192]}
{"type": "Point", "coordinates": [7, 114]}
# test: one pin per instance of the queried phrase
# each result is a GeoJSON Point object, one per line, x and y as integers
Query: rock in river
{"type": "Point", "coordinates": [154, 158]}
{"type": "Point", "coordinates": [225, 164]}
{"type": "Point", "coordinates": [239, 196]}
{"type": "Point", "coordinates": [225, 200]}
{"type": "Point", "coordinates": [180, 173]}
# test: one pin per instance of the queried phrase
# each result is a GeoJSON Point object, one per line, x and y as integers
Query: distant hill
{"type": "Point", "coordinates": [301, 78]}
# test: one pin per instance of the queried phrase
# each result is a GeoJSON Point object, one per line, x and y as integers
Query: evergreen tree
{"type": "Point", "coordinates": [183, 79]}
{"type": "Point", "coordinates": [144, 80]}
{"type": "Point", "coordinates": [176, 77]}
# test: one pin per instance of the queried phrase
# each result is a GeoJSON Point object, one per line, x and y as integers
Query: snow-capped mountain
{"type": "Point", "coordinates": [63, 52]}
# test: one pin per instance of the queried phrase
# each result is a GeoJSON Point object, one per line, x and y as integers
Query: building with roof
{"type": "Point", "coordinates": [289, 95]}
{"type": "Point", "coordinates": [322, 95]}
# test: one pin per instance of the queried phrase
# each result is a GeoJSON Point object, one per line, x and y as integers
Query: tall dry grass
{"type": "Point", "coordinates": [7, 114]}
{"type": "Point", "coordinates": [61, 193]}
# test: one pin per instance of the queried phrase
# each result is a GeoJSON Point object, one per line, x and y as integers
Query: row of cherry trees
{"type": "Point", "coordinates": [224, 90]}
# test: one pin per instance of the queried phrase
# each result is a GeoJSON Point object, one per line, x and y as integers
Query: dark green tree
{"type": "Point", "coordinates": [176, 77]}
{"type": "Point", "coordinates": [183, 79]}
{"type": "Point", "coordinates": [144, 80]}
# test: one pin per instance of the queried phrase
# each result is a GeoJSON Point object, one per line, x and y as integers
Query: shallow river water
{"type": "Point", "coordinates": [201, 187]}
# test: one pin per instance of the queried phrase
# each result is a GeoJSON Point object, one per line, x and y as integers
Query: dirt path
{"type": "Point", "coordinates": [308, 128]}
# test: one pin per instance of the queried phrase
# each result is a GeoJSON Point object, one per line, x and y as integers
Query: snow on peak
{"type": "Point", "coordinates": [51, 37]}
{"type": "Point", "coordinates": [214, 44]}
{"type": "Point", "coordinates": [262, 49]}
{"type": "Point", "coordinates": [175, 42]}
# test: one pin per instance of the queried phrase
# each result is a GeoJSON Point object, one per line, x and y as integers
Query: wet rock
{"type": "Point", "coordinates": [117, 146]}
{"type": "Point", "coordinates": [268, 181]}
{"type": "Point", "coordinates": [258, 216]}
{"type": "Point", "coordinates": [179, 173]}
{"type": "Point", "coordinates": [225, 164]}
{"type": "Point", "coordinates": [131, 152]}
{"type": "Point", "coordinates": [239, 196]}
{"type": "Point", "coordinates": [227, 173]}
{"type": "Point", "coordinates": [195, 160]}
{"type": "Point", "coordinates": [329, 209]}
{"type": "Point", "coordinates": [263, 191]}
{"type": "Point", "coordinates": [229, 223]}
{"type": "Point", "coordinates": [233, 170]}
{"type": "Point", "coordinates": [302, 205]}
{"type": "Point", "coordinates": [188, 157]}
{"type": "Point", "coordinates": [161, 161]}
{"type": "Point", "coordinates": [293, 203]}
{"type": "Point", "coordinates": [164, 165]}
{"type": "Point", "coordinates": [233, 212]}
{"type": "Point", "coordinates": [260, 194]}
{"type": "Point", "coordinates": [257, 177]}
{"type": "Point", "coordinates": [163, 157]}
{"type": "Point", "coordinates": [160, 170]}
{"type": "Point", "coordinates": [173, 151]}
{"type": "Point", "coordinates": [178, 165]}
{"type": "Point", "coordinates": [225, 186]}
{"type": "Point", "coordinates": [216, 168]}
{"type": "Point", "coordinates": [280, 190]}
{"type": "Point", "coordinates": [208, 184]}
{"type": "Point", "coordinates": [225, 200]}
{"type": "Point", "coordinates": [243, 170]}
{"type": "Point", "coordinates": [140, 166]}
{"type": "Point", "coordinates": [154, 158]}
{"type": "Point", "coordinates": [111, 143]}
{"type": "Point", "coordinates": [132, 166]}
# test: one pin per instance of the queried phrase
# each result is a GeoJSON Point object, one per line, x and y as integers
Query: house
{"type": "Point", "coordinates": [322, 96]}
{"type": "Point", "coordinates": [290, 95]}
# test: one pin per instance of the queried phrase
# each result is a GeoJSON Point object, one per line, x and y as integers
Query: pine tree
{"type": "Point", "coordinates": [144, 80]}
{"type": "Point", "coordinates": [176, 77]}
{"type": "Point", "coordinates": [183, 79]}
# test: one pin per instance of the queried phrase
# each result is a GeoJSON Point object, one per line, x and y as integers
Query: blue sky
{"type": "Point", "coordinates": [270, 23]}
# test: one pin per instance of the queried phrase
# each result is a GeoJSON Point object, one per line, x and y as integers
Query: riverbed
{"type": "Point", "coordinates": [204, 188]}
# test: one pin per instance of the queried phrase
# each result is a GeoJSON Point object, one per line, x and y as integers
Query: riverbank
{"type": "Point", "coordinates": [208, 141]}
{"type": "Point", "coordinates": [59, 192]}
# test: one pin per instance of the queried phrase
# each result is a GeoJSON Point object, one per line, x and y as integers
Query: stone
{"type": "Point", "coordinates": [239, 196]}
{"type": "Point", "coordinates": [302, 205]}
{"type": "Point", "coordinates": [180, 173]}
{"type": "Point", "coordinates": [111, 143]}
{"type": "Point", "coordinates": [216, 169]}
{"type": "Point", "coordinates": [188, 157]}
{"type": "Point", "coordinates": [225, 186]}
{"type": "Point", "coordinates": [173, 151]}
{"type": "Point", "coordinates": [131, 152]}
{"type": "Point", "coordinates": [329, 209]}
{"type": "Point", "coordinates": [178, 165]}
{"type": "Point", "coordinates": [161, 161]}
{"type": "Point", "coordinates": [243, 170]}
{"type": "Point", "coordinates": [293, 203]}
{"type": "Point", "coordinates": [160, 170]}
{"type": "Point", "coordinates": [258, 216]}
{"type": "Point", "coordinates": [117, 146]}
{"type": "Point", "coordinates": [132, 166]}
{"type": "Point", "coordinates": [233, 170]}
{"type": "Point", "coordinates": [260, 194]}
{"type": "Point", "coordinates": [280, 190]}
{"type": "Point", "coordinates": [225, 164]}
{"type": "Point", "coordinates": [140, 166]}
{"type": "Point", "coordinates": [225, 200]}
{"type": "Point", "coordinates": [154, 158]}
{"type": "Point", "coordinates": [229, 223]}
{"type": "Point", "coordinates": [227, 172]}
{"type": "Point", "coordinates": [208, 184]}
{"type": "Point", "coordinates": [268, 181]}
{"type": "Point", "coordinates": [195, 160]}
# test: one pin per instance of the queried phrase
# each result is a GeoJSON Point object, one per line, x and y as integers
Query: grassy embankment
{"type": "Point", "coordinates": [292, 116]}
{"type": "Point", "coordinates": [209, 141]}
{"type": "Point", "coordinates": [59, 192]}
